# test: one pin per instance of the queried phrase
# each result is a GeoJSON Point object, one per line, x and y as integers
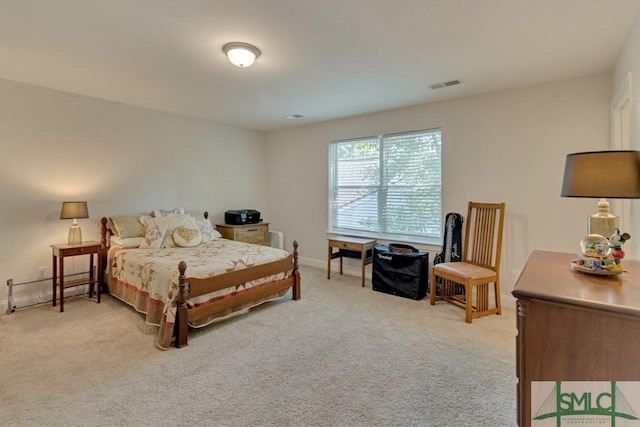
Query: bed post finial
{"type": "Point", "coordinates": [295, 255]}
{"type": "Point", "coordinates": [295, 273]}
{"type": "Point", "coordinates": [103, 231]}
{"type": "Point", "coordinates": [181, 326]}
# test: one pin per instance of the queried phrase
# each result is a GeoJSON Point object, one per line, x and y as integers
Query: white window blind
{"type": "Point", "coordinates": [388, 186]}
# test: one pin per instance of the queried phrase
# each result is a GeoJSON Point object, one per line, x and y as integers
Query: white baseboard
{"type": "Point", "coordinates": [335, 268]}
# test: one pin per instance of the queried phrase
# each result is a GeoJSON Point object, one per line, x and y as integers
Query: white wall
{"type": "Point", "coordinates": [57, 146]}
{"type": "Point", "coordinates": [508, 146]}
{"type": "Point", "coordinates": [629, 65]}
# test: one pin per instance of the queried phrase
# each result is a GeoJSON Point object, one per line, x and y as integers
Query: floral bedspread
{"type": "Point", "coordinates": [147, 279]}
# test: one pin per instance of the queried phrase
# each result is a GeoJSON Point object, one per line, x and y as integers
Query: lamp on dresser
{"type": "Point", "coordinates": [604, 175]}
{"type": "Point", "coordinates": [74, 211]}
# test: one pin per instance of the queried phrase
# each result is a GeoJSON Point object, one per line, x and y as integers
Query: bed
{"type": "Point", "coordinates": [177, 285]}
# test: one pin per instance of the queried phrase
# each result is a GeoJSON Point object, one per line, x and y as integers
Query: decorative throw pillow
{"type": "Point", "coordinates": [208, 232]}
{"type": "Point", "coordinates": [172, 222]}
{"type": "Point", "coordinates": [159, 213]}
{"type": "Point", "coordinates": [127, 226]}
{"type": "Point", "coordinates": [153, 236]}
{"type": "Point", "coordinates": [186, 237]}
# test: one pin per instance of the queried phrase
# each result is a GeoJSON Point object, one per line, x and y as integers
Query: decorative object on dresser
{"type": "Point", "coordinates": [227, 277]}
{"type": "Point", "coordinates": [480, 265]}
{"type": "Point", "coordinates": [257, 234]}
{"type": "Point", "coordinates": [573, 328]}
{"type": "Point", "coordinates": [74, 211]}
{"type": "Point", "coordinates": [604, 175]}
{"type": "Point", "coordinates": [60, 252]}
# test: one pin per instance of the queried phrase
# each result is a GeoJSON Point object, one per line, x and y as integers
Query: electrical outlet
{"type": "Point", "coordinates": [42, 271]}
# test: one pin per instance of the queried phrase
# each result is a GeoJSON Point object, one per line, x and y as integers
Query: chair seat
{"type": "Point", "coordinates": [464, 269]}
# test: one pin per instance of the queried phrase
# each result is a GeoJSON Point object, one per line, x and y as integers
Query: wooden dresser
{"type": "Point", "coordinates": [250, 233]}
{"type": "Point", "coordinates": [574, 326]}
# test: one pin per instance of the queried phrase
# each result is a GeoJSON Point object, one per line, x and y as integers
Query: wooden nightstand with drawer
{"type": "Point", "coordinates": [63, 250]}
{"type": "Point", "coordinates": [257, 234]}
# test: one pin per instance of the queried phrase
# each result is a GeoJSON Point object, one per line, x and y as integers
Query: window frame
{"type": "Point", "coordinates": [382, 187]}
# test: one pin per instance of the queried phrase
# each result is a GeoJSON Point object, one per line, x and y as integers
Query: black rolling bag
{"type": "Point", "coordinates": [400, 270]}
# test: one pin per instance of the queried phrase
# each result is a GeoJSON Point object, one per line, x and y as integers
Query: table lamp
{"type": "Point", "coordinates": [74, 210]}
{"type": "Point", "coordinates": [604, 175]}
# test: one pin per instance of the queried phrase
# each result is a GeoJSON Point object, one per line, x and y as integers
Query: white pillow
{"type": "Point", "coordinates": [186, 237]}
{"type": "Point", "coordinates": [208, 232]}
{"type": "Point", "coordinates": [172, 222]}
{"type": "Point", "coordinates": [125, 242]}
{"type": "Point", "coordinates": [153, 236]}
{"type": "Point", "coordinates": [159, 213]}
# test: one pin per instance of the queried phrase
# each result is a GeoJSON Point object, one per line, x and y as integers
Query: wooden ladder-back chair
{"type": "Point", "coordinates": [480, 265]}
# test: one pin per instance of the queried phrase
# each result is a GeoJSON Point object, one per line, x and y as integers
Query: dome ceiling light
{"type": "Point", "coordinates": [241, 54]}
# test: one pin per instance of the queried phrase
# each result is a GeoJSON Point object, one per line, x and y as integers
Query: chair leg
{"type": "Point", "coordinates": [497, 292]}
{"type": "Point", "coordinates": [432, 288]}
{"type": "Point", "coordinates": [468, 294]}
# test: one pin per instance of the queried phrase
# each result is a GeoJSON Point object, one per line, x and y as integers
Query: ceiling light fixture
{"type": "Point", "coordinates": [241, 54]}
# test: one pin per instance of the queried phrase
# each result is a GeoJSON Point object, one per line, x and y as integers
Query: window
{"type": "Point", "coordinates": [388, 186]}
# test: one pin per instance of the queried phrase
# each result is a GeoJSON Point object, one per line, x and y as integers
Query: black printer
{"type": "Point", "coordinates": [242, 216]}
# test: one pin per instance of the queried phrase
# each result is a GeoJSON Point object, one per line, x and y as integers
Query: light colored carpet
{"type": "Point", "coordinates": [341, 356]}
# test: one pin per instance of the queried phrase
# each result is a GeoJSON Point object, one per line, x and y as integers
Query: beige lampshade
{"type": "Point", "coordinates": [74, 210]}
{"type": "Point", "coordinates": [602, 174]}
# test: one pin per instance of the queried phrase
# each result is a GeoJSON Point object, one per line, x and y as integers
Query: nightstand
{"type": "Point", "coordinates": [249, 233]}
{"type": "Point", "coordinates": [63, 250]}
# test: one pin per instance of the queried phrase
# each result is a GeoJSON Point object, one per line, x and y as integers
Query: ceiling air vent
{"type": "Point", "coordinates": [445, 84]}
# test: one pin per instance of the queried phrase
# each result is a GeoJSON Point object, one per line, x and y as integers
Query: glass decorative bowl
{"type": "Point", "coordinates": [595, 246]}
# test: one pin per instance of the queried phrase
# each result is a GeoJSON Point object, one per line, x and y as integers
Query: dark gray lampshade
{"type": "Point", "coordinates": [602, 174]}
{"type": "Point", "coordinates": [74, 210]}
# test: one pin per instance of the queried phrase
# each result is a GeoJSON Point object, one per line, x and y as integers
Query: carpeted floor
{"type": "Point", "coordinates": [341, 356]}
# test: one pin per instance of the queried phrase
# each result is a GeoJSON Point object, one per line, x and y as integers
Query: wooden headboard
{"type": "Point", "coordinates": [106, 233]}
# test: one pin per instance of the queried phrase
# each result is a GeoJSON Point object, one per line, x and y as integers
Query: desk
{"type": "Point", "coordinates": [62, 250]}
{"type": "Point", "coordinates": [574, 326]}
{"type": "Point", "coordinates": [347, 243]}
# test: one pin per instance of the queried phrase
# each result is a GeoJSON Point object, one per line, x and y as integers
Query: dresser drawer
{"type": "Point", "coordinates": [257, 234]}
{"type": "Point", "coordinates": [77, 250]}
{"type": "Point", "coordinates": [346, 245]}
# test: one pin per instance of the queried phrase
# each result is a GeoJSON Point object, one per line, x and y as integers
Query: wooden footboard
{"type": "Point", "coordinates": [193, 287]}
